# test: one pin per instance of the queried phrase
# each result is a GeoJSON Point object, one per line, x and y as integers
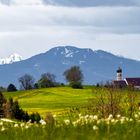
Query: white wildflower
{"type": "Point", "coordinates": [16, 125]}
{"type": "Point", "coordinates": [6, 120]}
{"type": "Point", "coordinates": [91, 117]}
{"type": "Point", "coordinates": [26, 126]}
{"type": "Point", "coordinates": [87, 116]}
{"type": "Point", "coordinates": [130, 119]}
{"type": "Point", "coordinates": [136, 116]}
{"type": "Point", "coordinates": [118, 116]}
{"type": "Point", "coordinates": [67, 122]}
{"type": "Point", "coordinates": [110, 116]}
{"type": "Point", "coordinates": [95, 127]}
{"type": "Point", "coordinates": [113, 120]}
{"type": "Point", "coordinates": [80, 115]}
{"type": "Point", "coordinates": [99, 121]}
{"type": "Point", "coordinates": [107, 122]}
{"type": "Point", "coordinates": [29, 121]}
{"type": "Point", "coordinates": [22, 124]}
{"type": "Point", "coordinates": [42, 122]}
{"type": "Point", "coordinates": [3, 128]}
{"type": "Point", "coordinates": [127, 119]}
{"type": "Point", "coordinates": [1, 123]}
{"type": "Point", "coordinates": [74, 124]}
{"type": "Point", "coordinates": [122, 120]}
{"type": "Point", "coordinates": [95, 117]}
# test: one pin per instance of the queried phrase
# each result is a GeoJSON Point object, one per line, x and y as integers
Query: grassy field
{"type": "Point", "coordinates": [55, 100]}
{"type": "Point", "coordinates": [77, 127]}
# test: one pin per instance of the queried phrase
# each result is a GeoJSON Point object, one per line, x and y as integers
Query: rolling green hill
{"type": "Point", "coordinates": [55, 100]}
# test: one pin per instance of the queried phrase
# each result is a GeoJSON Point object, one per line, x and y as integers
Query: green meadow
{"type": "Point", "coordinates": [56, 100]}
{"type": "Point", "coordinates": [60, 101]}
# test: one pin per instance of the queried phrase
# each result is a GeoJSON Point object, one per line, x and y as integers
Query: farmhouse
{"type": "Point", "coordinates": [121, 83]}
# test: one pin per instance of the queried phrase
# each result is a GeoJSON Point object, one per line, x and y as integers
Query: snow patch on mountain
{"type": "Point", "coordinates": [81, 62]}
{"type": "Point", "coordinates": [69, 52]}
{"type": "Point", "coordinates": [11, 59]}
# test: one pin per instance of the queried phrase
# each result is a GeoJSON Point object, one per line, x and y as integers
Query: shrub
{"type": "Point", "coordinates": [36, 86]}
{"type": "Point", "coordinates": [35, 117]}
{"type": "Point", "coordinates": [76, 85]}
{"type": "Point", "coordinates": [13, 110]}
{"type": "Point", "coordinates": [11, 88]}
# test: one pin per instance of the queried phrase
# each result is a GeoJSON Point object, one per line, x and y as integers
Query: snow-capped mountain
{"type": "Point", "coordinates": [96, 65]}
{"type": "Point", "coordinates": [11, 59]}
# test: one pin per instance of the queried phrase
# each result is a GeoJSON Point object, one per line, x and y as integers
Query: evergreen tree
{"type": "Point", "coordinates": [11, 88]}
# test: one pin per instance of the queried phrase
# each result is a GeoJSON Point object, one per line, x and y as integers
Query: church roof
{"type": "Point", "coordinates": [133, 81]}
{"type": "Point", "coordinates": [119, 84]}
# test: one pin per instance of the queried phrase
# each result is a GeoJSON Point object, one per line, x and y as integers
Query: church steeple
{"type": "Point", "coordinates": [119, 74]}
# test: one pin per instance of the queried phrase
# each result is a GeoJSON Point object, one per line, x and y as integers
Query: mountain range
{"type": "Point", "coordinates": [97, 65]}
{"type": "Point", "coordinates": [77, 3]}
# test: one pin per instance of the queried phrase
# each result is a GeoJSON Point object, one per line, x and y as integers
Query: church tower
{"type": "Point", "coordinates": [119, 74]}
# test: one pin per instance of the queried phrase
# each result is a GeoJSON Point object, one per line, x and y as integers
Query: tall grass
{"type": "Point", "coordinates": [89, 127]}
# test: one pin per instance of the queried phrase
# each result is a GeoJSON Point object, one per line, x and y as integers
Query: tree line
{"type": "Point", "coordinates": [11, 109]}
{"type": "Point", "coordinates": [73, 76]}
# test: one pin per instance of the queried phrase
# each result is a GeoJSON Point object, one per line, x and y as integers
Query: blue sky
{"type": "Point", "coordinates": [30, 27]}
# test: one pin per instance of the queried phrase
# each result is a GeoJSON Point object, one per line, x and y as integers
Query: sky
{"type": "Point", "coordinates": [31, 27]}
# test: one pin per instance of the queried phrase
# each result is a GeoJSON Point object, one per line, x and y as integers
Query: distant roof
{"type": "Point", "coordinates": [120, 83]}
{"type": "Point", "coordinates": [133, 81]}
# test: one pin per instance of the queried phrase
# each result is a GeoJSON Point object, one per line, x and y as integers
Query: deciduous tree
{"type": "Point", "coordinates": [47, 80]}
{"type": "Point", "coordinates": [26, 82]}
{"type": "Point", "coordinates": [74, 76]}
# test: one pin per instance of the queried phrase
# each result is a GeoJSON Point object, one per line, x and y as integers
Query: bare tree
{"type": "Point", "coordinates": [26, 82]}
{"type": "Point", "coordinates": [108, 101]}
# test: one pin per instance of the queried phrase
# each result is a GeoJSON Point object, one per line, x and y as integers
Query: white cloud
{"type": "Point", "coordinates": [79, 3]}
{"type": "Point", "coordinates": [38, 28]}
